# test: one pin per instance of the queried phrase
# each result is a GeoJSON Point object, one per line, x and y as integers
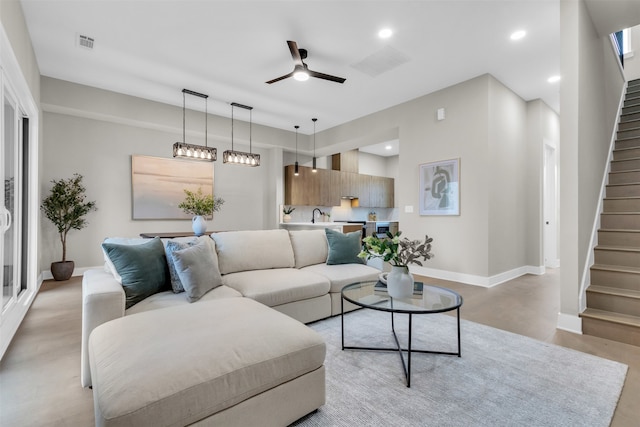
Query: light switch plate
{"type": "Point", "coordinates": [408, 209]}
{"type": "Point", "coordinates": [441, 114]}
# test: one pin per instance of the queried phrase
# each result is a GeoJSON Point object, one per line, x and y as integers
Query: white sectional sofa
{"type": "Point", "coordinates": [298, 273]}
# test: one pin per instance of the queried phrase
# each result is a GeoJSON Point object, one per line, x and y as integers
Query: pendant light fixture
{"type": "Point", "coordinates": [296, 172]}
{"type": "Point", "coordinates": [192, 151]}
{"type": "Point", "coordinates": [314, 168]}
{"type": "Point", "coordinates": [240, 157]}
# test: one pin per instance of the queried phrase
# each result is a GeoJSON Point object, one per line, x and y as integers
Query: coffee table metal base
{"type": "Point", "coordinates": [406, 365]}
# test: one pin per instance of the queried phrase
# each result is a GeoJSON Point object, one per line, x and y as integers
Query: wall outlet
{"type": "Point", "coordinates": [408, 209]}
{"type": "Point", "coordinates": [440, 114]}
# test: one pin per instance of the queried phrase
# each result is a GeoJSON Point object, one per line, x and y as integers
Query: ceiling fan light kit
{"type": "Point", "coordinates": [239, 157]}
{"type": "Point", "coordinates": [193, 151]}
{"type": "Point", "coordinates": [301, 71]}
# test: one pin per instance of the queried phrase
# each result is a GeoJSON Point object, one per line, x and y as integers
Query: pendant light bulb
{"type": "Point", "coordinates": [314, 168]}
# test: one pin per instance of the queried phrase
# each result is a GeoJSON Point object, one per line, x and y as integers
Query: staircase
{"type": "Point", "coordinates": [613, 298]}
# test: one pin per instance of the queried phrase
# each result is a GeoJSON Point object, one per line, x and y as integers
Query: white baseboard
{"type": "Point", "coordinates": [46, 274]}
{"type": "Point", "coordinates": [471, 279]}
{"type": "Point", "coordinates": [569, 323]}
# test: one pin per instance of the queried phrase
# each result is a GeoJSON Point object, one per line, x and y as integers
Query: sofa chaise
{"type": "Point", "coordinates": [297, 273]}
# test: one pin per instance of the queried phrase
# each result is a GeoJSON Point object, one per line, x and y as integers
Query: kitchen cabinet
{"type": "Point", "coordinates": [326, 188]}
{"type": "Point", "coordinates": [308, 188]}
{"type": "Point", "coordinates": [381, 192]}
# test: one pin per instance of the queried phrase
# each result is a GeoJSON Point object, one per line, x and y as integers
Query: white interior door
{"type": "Point", "coordinates": [550, 226]}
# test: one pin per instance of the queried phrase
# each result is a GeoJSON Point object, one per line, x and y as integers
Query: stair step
{"type": "Point", "coordinates": [626, 153]}
{"type": "Point", "coordinates": [630, 109]}
{"type": "Point", "coordinates": [624, 177]}
{"type": "Point", "coordinates": [624, 277]}
{"type": "Point", "coordinates": [624, 190]}
{"type": "Point", "coordinates": [632, 91]}
{"type": "Point", "coordinates": [613, 326]}
{"type": "Point", "coordinates": [621, 204]}
{"type": "Point", "coordinates": [629, 117]}
{"type": "Point", "coordinates": [630, 101]}
{"type": "Point", "coordinates": [628, 133]}
{"type": "Point", "coordinates": [629, 123]}
{"type": "Point", "coordinates": [616, 300]}
{"type": "Point", "coordinates": [622, 143]}
{"type": "Point", "coordinates": [620, 220]}
{"type": "Point", "coordinates": [625, 164]}
{"type": "Point", "coordinates": [619, 238]}
{"type": "Point", "coordinates": [617, 255]}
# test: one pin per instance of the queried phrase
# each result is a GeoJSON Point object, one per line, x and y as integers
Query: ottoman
{"type": "Point", "coordinates": [221, 362]}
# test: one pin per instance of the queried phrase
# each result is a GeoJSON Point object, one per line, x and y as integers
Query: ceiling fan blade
{"type": "Point", "coordinates": [295, 53]}
{"type": "Point", "coordinates": [326, 76]}
{"type": "Point", "coordinates": [286, 76]}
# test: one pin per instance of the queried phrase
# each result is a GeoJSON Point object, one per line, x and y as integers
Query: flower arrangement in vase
{"type": "Point", "coordinates": [399, 253]}
{"type": "Point", "coordinates": [200, 205]}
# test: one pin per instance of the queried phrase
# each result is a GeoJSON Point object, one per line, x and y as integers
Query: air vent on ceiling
{"type": "Point", "coordinates": [381, 61]}
{"type": "Point", "coordinates": [85, 41]}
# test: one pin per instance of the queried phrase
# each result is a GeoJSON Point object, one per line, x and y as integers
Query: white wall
{"type": "Point", "coordinates": [94, 133]}
{"type": "Point", "coordinates": [472, 132]}
{"type": "Point", "coordinates": [590, 92]}
{"type": "Point", "coordinates": [632, 61]}
{"type": "Point", "coordinates": [104, 129]}
{"type": "Point", "coordinates": [507, 185]}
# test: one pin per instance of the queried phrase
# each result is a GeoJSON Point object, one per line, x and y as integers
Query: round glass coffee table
{"type": "Point", "coordinates": [434, 299]}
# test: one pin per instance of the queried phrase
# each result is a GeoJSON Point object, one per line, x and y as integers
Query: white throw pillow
{"type": "Point", "coordinates": [309, 247]}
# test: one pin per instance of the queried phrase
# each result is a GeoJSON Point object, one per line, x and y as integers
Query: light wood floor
{"type": "Point", "coordinates": [40, 373]}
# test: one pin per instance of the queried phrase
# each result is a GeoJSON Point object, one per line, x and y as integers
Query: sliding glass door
{"type": "Point", "coordinates": [11, 209]}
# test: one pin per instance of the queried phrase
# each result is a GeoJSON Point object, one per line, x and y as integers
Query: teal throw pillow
{"type": "Point", "coordinates": [143, 268]}
{"type": "Point", "coordinates": [197, 267]}
{"type": "Point", "coordinates": [343, 248]}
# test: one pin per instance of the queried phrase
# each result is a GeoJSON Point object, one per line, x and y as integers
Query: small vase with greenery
{"type": "Point", "coordinates": [200, 205]}
{"type": "Point", "coordinates": [399, 253]}
{"type": "Point", "coordinates": [66, 207]}
{"type": "Point", "coordinates": [287, 210]}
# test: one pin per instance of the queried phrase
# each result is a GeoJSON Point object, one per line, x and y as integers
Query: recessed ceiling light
{"type": "Point", "coordinates": [553, 79]}
{"type": "Point", "coordinates": [518, 35]}
{"type": "Point", "coordinates": [388, 147]}
{"type": "Point", "coordinates": [385, 33]}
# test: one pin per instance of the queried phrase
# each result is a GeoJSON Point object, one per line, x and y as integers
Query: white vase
{"type": "Point", "coordinates": [199, 225]}
{"type": "Point", "coordinates": [286, 218]}
{"type": "Point", "coordinates": [400, 282]}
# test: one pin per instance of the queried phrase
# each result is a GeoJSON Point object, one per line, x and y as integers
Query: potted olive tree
{"type": "Point", "coordinates": [66, 207]}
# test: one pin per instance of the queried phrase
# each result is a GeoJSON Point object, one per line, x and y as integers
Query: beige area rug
{"type": "Point", "coordinates": [502, 379]}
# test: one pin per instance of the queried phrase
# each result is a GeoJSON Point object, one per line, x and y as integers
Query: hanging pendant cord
{"type": "Point", "coordinates": [184, 140]}
{"type": "Point", "coordinates": [206, 121]}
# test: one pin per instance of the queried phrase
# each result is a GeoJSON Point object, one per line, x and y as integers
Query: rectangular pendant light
{"type": "Point", "coordinates": [240, 157]}
{"type": "Point", "coordinates": [193, 151]}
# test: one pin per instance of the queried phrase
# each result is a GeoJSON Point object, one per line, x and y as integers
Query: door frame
{"type": "Point", "coordinates": [550, 205]}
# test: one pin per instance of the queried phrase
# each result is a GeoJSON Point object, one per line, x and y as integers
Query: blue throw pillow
{"type": "Point", "coordinates": [343, 248]}
{"type": "Point", "coordinates": [172, 246]}
{"type": "Point", "coordinates": [143, 268]}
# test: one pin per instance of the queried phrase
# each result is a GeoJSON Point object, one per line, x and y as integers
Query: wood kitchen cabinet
{"type": "Point", "coordinates": [308, 188]}
{"type": "Point", "coordinates": [381, 192]}
{"type": "Point", "coordinates": [326, 188]}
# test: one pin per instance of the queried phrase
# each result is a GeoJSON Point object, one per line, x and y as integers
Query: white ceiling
{"type": "Point", "coordinates": [229, 49]}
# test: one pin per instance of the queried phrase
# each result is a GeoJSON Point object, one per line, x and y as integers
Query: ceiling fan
{"type": "Point", "coordinates": [300, 71]}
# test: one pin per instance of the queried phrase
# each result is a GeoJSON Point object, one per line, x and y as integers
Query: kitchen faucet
{"type": "Point", "coordinates": [313, 215]}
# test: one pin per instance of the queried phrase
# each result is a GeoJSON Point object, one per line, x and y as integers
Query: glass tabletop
{"type": "Point", "coordinates": [373, 294]}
